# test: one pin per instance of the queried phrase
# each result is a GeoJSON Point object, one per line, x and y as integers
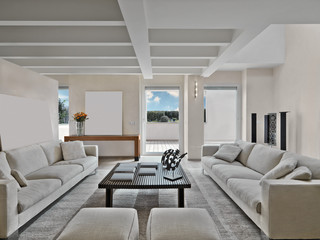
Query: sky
{"type": "Point", "coordinates": [160, 100]}
{"type": "Point", "coordinates": [64, 95]}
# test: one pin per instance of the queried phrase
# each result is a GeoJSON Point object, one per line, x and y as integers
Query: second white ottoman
{"type": "Point", "coordinates": [103, 224]}
{"type": "Point", "coordinates": [181, 224]}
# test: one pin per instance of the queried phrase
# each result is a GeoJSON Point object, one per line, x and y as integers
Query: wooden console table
{"type": "Point", "coordinates": [135, 138]}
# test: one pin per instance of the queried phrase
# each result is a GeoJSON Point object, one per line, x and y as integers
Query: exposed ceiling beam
{"type": "Point", "coordinates": [135, 19]}
{"type": "Point", "coordinates": [180, 62]}
{"type": "Point", "coordinates": [64, 44]}
{"type": "Point", "coordinates": [207, 52]}
{"type": "Point", "coordinates": [86, 71]}
{"type": "Point", "coordinates": [76, 62]}
{"type": "Point", "coordinates": [241, 39]}
{"type": "Point", "coordinates": [190, 37]}
{"type": "Point", "coordinates": [207, 44]}
{"type": "Point", "coordinates": [6, 52]}
{"type": "Point", "coordinates": [182, 71]}
{"type": "Point", "coordinates": [63, 23]}
{"type": "Point", "coordinates": [78, 34]}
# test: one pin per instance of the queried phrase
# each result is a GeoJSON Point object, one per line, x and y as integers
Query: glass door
{"type": "Point", "coordinates": [161, 121]}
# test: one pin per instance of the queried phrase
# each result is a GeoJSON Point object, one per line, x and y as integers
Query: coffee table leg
{"type": "Point", "coordinates": [109, 197]}
{"type": "Point", "coordinates": [180, 197]}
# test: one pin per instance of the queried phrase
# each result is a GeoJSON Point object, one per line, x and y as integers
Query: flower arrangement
{"type": "Point", "coordinates": [80, 117]}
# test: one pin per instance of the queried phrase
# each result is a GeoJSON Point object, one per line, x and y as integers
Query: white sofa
{"type": "Point", "coordinates": [48, 177]}
{"type": "Point", "coordinates": [281, 208]}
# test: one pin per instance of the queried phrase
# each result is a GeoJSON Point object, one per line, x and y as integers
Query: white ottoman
{"type": "Point", "coordinates": [181, 224]}
{"type": "Point", "coordinates": [102, 223]}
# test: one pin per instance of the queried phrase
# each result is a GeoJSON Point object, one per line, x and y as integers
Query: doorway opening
{"type": "Point", "coordinates": [161, 125]}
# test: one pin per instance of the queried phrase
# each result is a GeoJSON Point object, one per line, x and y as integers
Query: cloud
{"type": "Point", "coordinates": [63, 97]}
{"type": "Point", "coordinates": [174, 93]}
{"type": "Point", "coordinates": [149, 95]}
{"type": "Point", "coordinates": [156, 99]}
{"type": "Point", "coordinates": [177, 109]}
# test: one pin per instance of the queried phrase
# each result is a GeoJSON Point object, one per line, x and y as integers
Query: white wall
{"type": "Point", "coordinates": [162, 131]}
{"type": "Point", "coordinates": [259, 99]}
{"type": "Point", "coordinates": [297, 88]}
{"type": "Point", "coordinates": [129, 85]}
{"type": "Point", "coordinates": [195, 110]}
{"type": "Point", "coordinates": [21, 82]}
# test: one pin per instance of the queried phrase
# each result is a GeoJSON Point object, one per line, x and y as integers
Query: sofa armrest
{"type": "Point", "coordinates": [291, 209]}
{"type": "Point", "coordinates": [8, 208]}
{"type": "Point", "coordinates": [209, 149]}
{"type": "Point", "coordinates": [91, 150]}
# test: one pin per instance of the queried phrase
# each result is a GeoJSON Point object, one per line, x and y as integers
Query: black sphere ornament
{"type": "Point", "coordinates": [170, 160]}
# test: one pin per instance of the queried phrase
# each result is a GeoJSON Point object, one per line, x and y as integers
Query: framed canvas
{"type": "Point", "coordinates": [104, 110]}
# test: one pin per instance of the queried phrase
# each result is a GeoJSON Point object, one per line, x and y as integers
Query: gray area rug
{"type": "Point", "coordinates": [231, 222]}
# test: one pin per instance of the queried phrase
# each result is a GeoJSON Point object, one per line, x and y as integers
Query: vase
{"type": "Point", "coordinates": [80, 128]}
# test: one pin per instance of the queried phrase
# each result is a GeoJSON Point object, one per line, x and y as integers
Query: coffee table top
{"type": "Point", "coordinates": [148, 182]}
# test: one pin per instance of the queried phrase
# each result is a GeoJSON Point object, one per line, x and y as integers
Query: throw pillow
{"type": "Point", "coordinates": [284, 167]}
{"type": "Point", "coordinates": [300, 173]}
{"type": "Point", "coordinates": [73, 150]}
{"type": "Point", "coordinates": [19, 177]}
{"type": "Point", "coordinates": [228, 152]}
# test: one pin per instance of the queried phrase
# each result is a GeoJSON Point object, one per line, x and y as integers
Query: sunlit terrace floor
{"type": "Point", "coordinates": [161, 146]}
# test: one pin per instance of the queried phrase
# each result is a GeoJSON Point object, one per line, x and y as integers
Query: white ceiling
{"type": "Point", "coordinates": [148, 37]}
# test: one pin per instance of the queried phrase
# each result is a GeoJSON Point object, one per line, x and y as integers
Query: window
{"type": "Point", "coordinates": [221, 114]}
{"type": "Point", "coordinates": [63, 93]}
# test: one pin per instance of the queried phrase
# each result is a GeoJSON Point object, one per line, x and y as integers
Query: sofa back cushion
{"type": "Point", "coordinates": [262, 158]}
{"type": "Point", "coordinates": [27, 159]}
{"type": "Point", "coordinates": [312, 163]}
{"type": "Point", "coordinates": [246, 150]}
{"type": "Point", "coordinates": [53, 151]}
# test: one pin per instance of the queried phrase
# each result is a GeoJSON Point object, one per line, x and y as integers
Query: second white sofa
{"type": "Point", "coordinates": [281, 208]}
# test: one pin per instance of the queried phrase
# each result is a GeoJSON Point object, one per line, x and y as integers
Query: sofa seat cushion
{"type": "Point", "coordinates": [312, 163]}
{"type": "Point", "coordinates": [262, 158]}
{"type": "Point", "coordinates": [248, 190]}
{"type": "Point", "coordinates": [27, 159]}
{"type": "Point", "coordinates": [63, 172]}
{"type": "Point", "coordinates": [246, 150]}
{"type": "Point", "coordinates": [209, 161]}
{"type": "Point", "coordinates": [53, 151]}
{"type": "Point", "coordinates": [35, 192]}
{"type": "Point", "coordinates": [84, 162]}
{"type": "Point", "coordinates": [225, 172]}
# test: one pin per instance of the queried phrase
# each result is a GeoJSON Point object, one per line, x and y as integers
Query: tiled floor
{"type": "Point", "coordinates": [161, 146]}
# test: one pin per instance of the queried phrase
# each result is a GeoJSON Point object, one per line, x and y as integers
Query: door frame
{"type": "Point", "coordinates": [143, 114]}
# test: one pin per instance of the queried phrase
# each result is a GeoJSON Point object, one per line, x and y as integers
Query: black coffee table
{"type": "Point", "coordinates": [146, 182]}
